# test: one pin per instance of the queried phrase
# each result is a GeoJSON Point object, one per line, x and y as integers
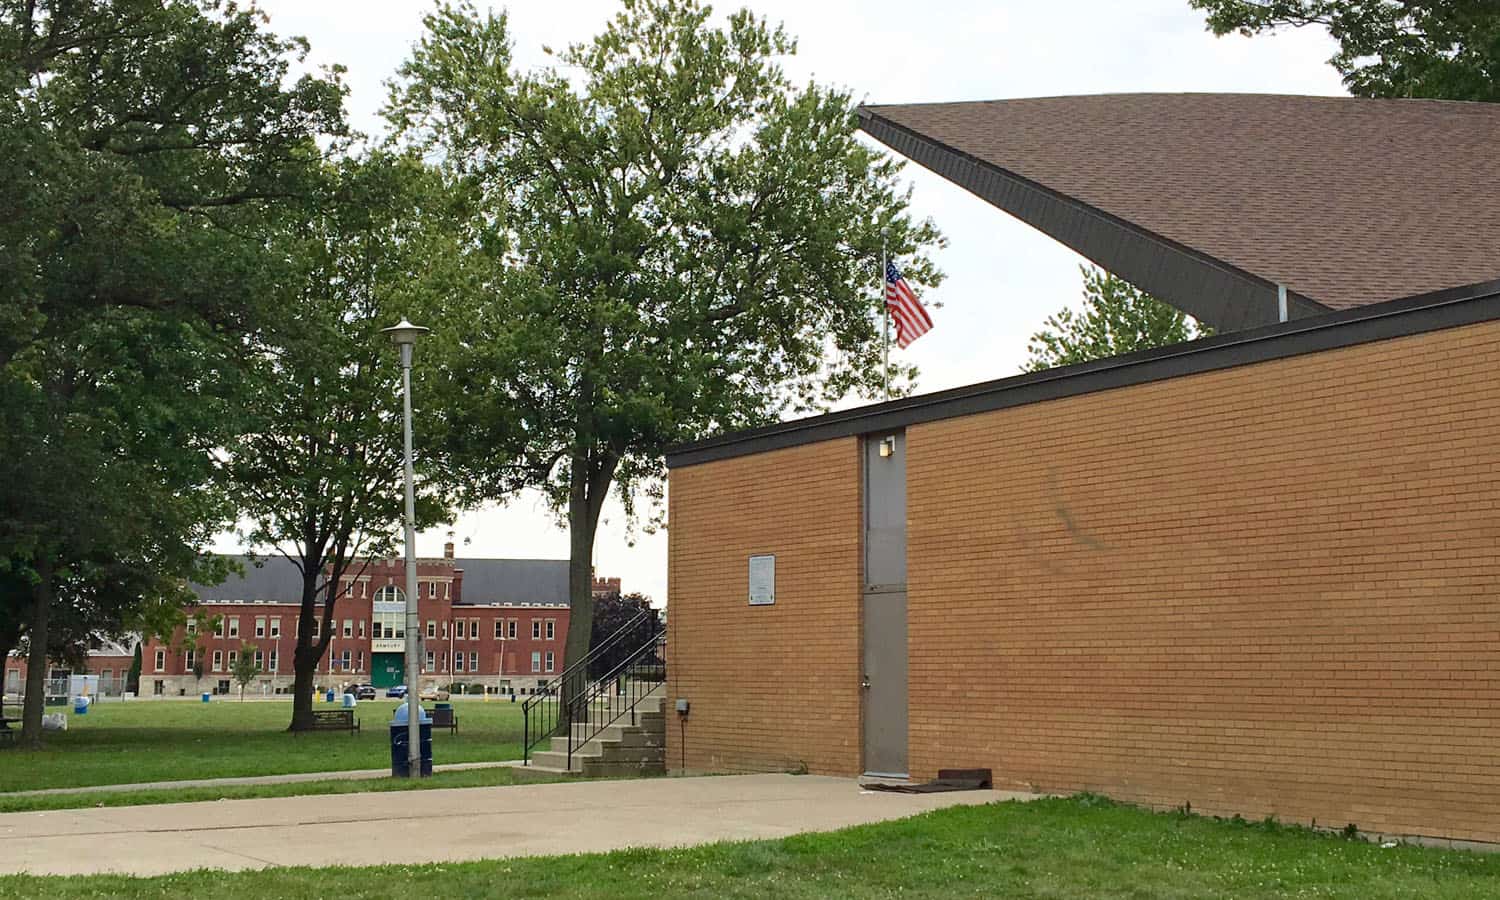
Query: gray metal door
{"type": "Point", "coordinates": [885, 683]}
{"type": "Point", "coordinates": [884, 618]}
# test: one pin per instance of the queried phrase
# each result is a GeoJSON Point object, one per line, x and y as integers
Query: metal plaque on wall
{"type": "Point", "coordinates": [762, 580]}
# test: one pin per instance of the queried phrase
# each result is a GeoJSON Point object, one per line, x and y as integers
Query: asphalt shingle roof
{"type": "Point", "coordinates": [1346, 201]}
{"type": "Point", "coordinates": [542, 581]}
{"type": "Point", "coordinates": [274, 579]}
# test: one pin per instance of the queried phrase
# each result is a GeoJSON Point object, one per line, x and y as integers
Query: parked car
{"type": "Point", "coordinates": [398, 691]}
{"type": "Point", "coordinates": [363, 691]}
{"type": "Point", "coordinates": [433, 693]}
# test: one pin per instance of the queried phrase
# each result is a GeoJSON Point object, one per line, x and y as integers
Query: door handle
{"type": "Point", "coordinates": [865, 682]}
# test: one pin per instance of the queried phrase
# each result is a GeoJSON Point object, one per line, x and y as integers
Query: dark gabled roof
{"type": "Point", "coordinates": [269, 579]}
{"type": "Point", "coordinates": [1395, 318]}
{"type": "Point", "coordinates": [275, 579]}
{"type": "Point", "coordinates": [528, 581]}
{"type": "Point", "coordinates": [1209, 201]}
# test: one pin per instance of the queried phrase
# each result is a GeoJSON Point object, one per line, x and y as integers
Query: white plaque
{"type": "Point", "coordinates": [762, 580]}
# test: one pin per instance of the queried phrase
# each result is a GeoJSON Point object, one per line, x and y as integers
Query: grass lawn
{"type": "Point", "coordinates": [158, 740]}
{"type": "Point", "coordinates": [1078, 847]}
{"type": "Point", "coordinates": [500, 775]}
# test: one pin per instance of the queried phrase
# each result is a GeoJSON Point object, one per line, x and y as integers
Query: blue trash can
{"type": "Point", "coordinates": [400, 764]}
{"type": "Point", "coordinates": [329, 696]}
{"type": "Point", "coordinates": [206, 695]}
{"type": "Point", "coordinates": [80, 706]}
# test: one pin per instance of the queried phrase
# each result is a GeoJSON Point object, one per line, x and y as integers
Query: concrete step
{"type": "Point", "coordinates": [631, 738]}
{"type": "Point", "coordinates": [645, 724]}
{"type": "Point", "coordinates": [535, 772]}
{"type": "Point", "coordinates": [554, 760]}
{"type": "Point", "coordinates": [623, 769]}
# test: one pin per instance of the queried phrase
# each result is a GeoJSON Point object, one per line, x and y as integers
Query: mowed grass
{"type": "Point", "coordinates": [1078, 847]}
{"type": "Point", "coordinates": [168, 740]}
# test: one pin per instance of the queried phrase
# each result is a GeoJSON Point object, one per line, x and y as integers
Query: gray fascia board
{"type": "Point", "coordinates": [1210, 290]}
{"type": "Point", "coordinates": [1451, 308]}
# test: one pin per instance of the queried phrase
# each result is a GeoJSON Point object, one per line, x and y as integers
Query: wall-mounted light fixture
{"type": "Point", "coordinates": [888, 446]}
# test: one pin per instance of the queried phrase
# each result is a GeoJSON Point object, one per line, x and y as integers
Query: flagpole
{"type": "Point", "coordinates": [885, 313]}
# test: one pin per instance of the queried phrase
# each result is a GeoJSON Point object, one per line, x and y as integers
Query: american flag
{"type": "Point", "coordinates": [911, 318]}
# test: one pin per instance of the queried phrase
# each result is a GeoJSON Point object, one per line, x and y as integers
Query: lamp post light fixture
{"type": "Point", "coordinates": [404, 335]}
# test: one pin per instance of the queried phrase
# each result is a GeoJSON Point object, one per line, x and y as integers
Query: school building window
{"type": "Point", "coordinates": [431, 629]}
{"type": "Point", "coordinates": [218, 660]}
{"type": "Point", "coordinates": [161, 660]}
{"type": "Point", "coordinates": [536, 629]}
{"type": "Point", "coordinates": [473, 629]}
{"type": "Point", "coordinates": [188, 660]}
{"type": "Point", "coordinates": [346, 658]}
{"type": "Point", "coordinates": [192, 626]}
{"type": "Point", "coordinates": [276, 626]}
{"type": "Point", "coordinates": [260, 660]}
{"type": "Point", "coordinates": [549, 660]}
{"type": "Point", "coordinates": [218, 626]}
{"type": "Point", "coordinates": [234, 626]}
{"type": "Point", "coordinates": [458, 660]}
{"type": "Point", "coordinates": [551, 629]}
{"type": "Point", "coordinates": [474, 661]}
{"type": "Point", "coordinates": [499, 629]}
{"type": "Point", "coordinates": [510, 628]}
{"type": "Point", "coordinates": [274, 666]}
{"type": "Point", "coordinates": [536, 660]}
{"type": "Point", "coordinates": [260, 626]}
{"type": "Point", "coordinates": [427, 663]}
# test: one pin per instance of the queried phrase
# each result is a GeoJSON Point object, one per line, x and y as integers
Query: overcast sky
{"type": "Point", "coordinates": [1004, 279]}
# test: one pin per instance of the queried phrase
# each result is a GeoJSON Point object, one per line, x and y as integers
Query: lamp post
{"type": "Point", "coordinates": [404, 335]}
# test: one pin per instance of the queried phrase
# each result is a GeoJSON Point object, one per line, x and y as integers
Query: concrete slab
{"type": "Point", "coordinates": [344, 775]}
{"type": "Point", "coordinates": [449, 825]}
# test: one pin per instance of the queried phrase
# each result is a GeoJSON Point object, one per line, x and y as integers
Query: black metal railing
{"type": "Point", "coordinates": [619, 692]}
{"type": "Point", "coordinates": [550, 712]}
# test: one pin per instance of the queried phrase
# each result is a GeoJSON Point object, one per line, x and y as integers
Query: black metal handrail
{"type": "Point", "coordinates": [618, 692]}
{"type": "Point", "coordinates": [545, 714]}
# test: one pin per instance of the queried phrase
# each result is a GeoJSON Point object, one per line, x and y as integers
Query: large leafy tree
{"type": "Point", "coordinates": [679, 241]}
{"type": "Point", "coordinates": [1116, 318]}
{"type": "Point", "coordinates": [147, 146]}
{"type": "Point", "coordinates": [317, 473]}
{"type": "Point", "coordinates": [1440, 49]}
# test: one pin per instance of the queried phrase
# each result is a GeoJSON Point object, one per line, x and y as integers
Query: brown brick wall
{"type": "Point", "coordinates": [1267, 590]}
{"type": "Point", "coordinates": [772, 687]}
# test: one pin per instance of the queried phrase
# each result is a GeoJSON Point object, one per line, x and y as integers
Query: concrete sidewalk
{"type": "Point", "coordinates": [448, 825]}
{"type": "Point", "coordinates": [293, 778]}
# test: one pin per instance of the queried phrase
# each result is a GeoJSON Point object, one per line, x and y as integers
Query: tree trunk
{"type": "Point", "coordinates": [589, 483]}
{"type": "Point", "coordinates": [36, 661]}
{"type": "Point", "coordinates": [302, 683]}
{"type": "Point", "coordinates": [305, 657]}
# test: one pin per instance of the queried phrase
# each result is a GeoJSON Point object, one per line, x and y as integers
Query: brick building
{"type": "Point", "coordinates": [108, 659]}
{"type": "Point", "coordinates": [1254, 573]}
{"type": "Point", "coordinates": [502, 623]}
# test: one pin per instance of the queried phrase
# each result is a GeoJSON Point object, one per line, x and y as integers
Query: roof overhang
{"type": "Point", "coordinates": [1208, 289]}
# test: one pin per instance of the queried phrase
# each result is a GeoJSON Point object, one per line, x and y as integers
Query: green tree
{"type": "Point", "coordinates": [148, 144]}
{"type": "Point", "coordinates": [613, 612]}
{"type": "Point", "coordinates": [244, 669]}
{"type": "Point", "coordinates": [318, 473]}
{"type": "Point", "coordinates": [1439, 49]}
{"type": "Point", "coordinates": [1117, 318]}
{"type": "Point", "coordinates": [672, 240]}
